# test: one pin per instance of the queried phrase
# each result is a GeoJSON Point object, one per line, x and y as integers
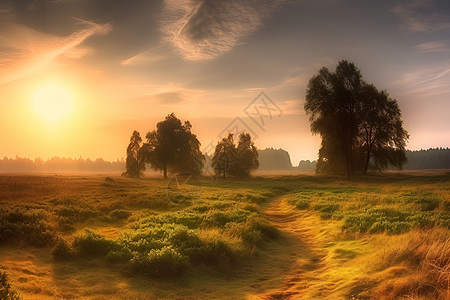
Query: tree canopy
{"type": "Point", "coordinates": [361, 127]}
{"type": "Point", "coordinates": [173, 147]}
{"type": "Point", "coordinates": [236, 160]}
{"type": "Point", "coordinates": [135, 162]}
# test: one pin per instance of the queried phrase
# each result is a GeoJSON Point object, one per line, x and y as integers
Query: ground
{"type": "Point", "coordinates": [272, 237]}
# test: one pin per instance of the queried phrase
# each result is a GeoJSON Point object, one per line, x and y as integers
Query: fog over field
{"type": "Point", "coordinates": [239, 149]}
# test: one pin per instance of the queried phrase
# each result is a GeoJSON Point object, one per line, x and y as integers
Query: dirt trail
{"type": "Point", "coordinates": [301, 246]}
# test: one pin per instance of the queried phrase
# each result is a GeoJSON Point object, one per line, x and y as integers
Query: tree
{"type": "Point", "coordinates": [382, 137]}
{"type": "Point", "coordinates": [172, 147]}
{"type": "Point", "coordinates": [247, 158]}
{"type": "Point", "coordinates": [237, 160]}
{"type": "Point", "coordinates": [135, 162]}
{"type": "Point", "coordinates": [357, 123]}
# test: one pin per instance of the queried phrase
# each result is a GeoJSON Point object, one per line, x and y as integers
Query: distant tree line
{"type": "Point", "coordinates": [307, 165]}
{"type": "Point", "coordinates": [274, 159]}
{"type": "Point", "coordinates": [433, 158]}
{"type": "Point", "coordinates": [59, 164]}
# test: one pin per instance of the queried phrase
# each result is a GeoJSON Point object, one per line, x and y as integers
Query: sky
{"type": "Point", "coordinates": [78, 76]}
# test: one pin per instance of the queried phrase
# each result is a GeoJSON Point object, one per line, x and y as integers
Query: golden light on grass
{"type": "Point", "coordinates": [53, 102]}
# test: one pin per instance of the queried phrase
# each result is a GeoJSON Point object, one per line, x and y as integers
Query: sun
{"type": "Point", "coordinates": [53, 103]}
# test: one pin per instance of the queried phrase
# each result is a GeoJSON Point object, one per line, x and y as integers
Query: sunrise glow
{"type": "Point", "coordinates": [52, 103]}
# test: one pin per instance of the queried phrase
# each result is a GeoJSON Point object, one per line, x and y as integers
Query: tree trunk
{"type": "Point", "coordinates": [366, 165]}
{"type": "Point", "coordinates": [348, 163]}
{"type": "Point", "coordinates": [165, 172]}
{"type": "Point", "coordinates": [349, 169]}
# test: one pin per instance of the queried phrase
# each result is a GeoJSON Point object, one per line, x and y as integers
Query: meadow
{"type": "Point", "coordinates": [268, 237]}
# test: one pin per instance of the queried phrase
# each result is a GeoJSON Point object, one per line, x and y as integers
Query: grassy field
{"type": "Point", "coordinates": [272, 237]}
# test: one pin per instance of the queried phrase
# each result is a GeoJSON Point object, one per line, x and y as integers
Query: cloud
{"type": "Point", "coordinates": [169, 93]}
{"type": "Point", "coordinates": [25, 51]}
{"type": "Point", "coordinates": [427, 82]}
{"type": "Point", "coordinates": [206, 29]}
{"type": "Point", "coordinates": [143, 57]}
{"type": "Point", "coordinates": [434, 46]}
{"type": "Point", "coordinates": [169, 97]}
{"type": "Point", "coordinates": [292, 107]}
{"type": "Point", "coordinates": [421, 16]}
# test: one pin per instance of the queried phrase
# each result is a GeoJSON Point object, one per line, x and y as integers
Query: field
{"type": "Point", "coordinates": [270, 237]}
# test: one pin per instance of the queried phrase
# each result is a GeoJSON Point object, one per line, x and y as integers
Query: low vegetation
{"type": "Point", "coordinates": [7, 292]}
{"type": "Point", "coordinates": [145, 236]}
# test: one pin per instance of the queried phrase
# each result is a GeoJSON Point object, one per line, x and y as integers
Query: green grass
{"type": "Point", "coordinates": [370, 205]}
{"type": "Point", "coordinates": [152, 239]}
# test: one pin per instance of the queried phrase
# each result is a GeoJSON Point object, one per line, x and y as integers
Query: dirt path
{"type": "Point", "coordinates": [301, 247]}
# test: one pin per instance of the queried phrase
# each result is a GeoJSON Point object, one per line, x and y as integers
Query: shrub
{"type": "Point", "coordinates": [327, 208]}
{"type": "Point", "coordinates": [121, 255]}
{"type": "Point", "coordinates": [256, 230]}
{"type": "Point", "coordinates": [93, 245]}
{"type": "Point", "coordinates": [219, 218]}
{"type": "Point", "coordinates": [428, 204]}
{"type": "Point", "coordinates": [120, 214]}
{"type": "Point", "coordinates": [62, 251]}
{"type": "Point", "coordinates": [302, 204]}
{"type": "Point", "coordinates": [166, 262]}
{"type": "Point", "coordinates": [217, 252]}
{"type": "Point", "coordinates": [76, 214]}
{"type": "Point", "coordinates": [66, 224]}
{"type": "Point", "coordinates": [7, 292]}
{"type": "Point", "coordinates": [23, 226]}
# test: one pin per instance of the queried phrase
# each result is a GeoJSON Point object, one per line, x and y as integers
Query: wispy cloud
{"type": "Point", "coordinates": [421, 16]}
{"type": "Point", "coordinates": [205, 29]}
{"type": "Point", "coordinates": [292, 107]}
{"type": "Point", "coordinates": [169, 93]}
{"type": "Point", "coordinates": [143, 57]}
{"type": "Point", "coordinates": [434, 46]}
{"type": "Point", "coordinates": [427, 82]}
{"type": "Point", "coordinates": [25, 51]}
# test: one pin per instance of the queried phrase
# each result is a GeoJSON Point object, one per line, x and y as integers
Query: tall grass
{"type": "Point", "coordinates": [426, 254]}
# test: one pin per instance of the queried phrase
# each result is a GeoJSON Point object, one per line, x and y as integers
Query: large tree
{"type": "Point", "coordinates": [135, 163]}
{"type": "Point", "coordinates": [173, 147]}
{"type": "Point", "coordinates": [381, 133]}
{"type": "Point", "coordinates": [236, 160]}
{"type": "Point", "coordinates": [360, 126]}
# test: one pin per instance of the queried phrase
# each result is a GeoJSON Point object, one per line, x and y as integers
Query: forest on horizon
{"type": "Point", "coordinates": [269, 158]}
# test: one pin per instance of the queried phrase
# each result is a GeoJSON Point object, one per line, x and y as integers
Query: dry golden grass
{"type": "Point", "coordinates": [312, 259]}
{"type": "Point", "coordinates": [425, 257]}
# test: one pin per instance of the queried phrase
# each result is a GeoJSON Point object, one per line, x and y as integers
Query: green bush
{"type": "Point", "coordinates": [76, 213]}
{"type": "Point", "coordinates": [66, 224]}
{"type": "Point", "coordinates": [302, 204]}
{"type": "Point", "coordinates": [217, 252]}
{"type": "Point", "coordinates": [62, 251]}
{"type": "Point", "coordinates": [166, 262]}
{"type": "Point", "coordinates": [219, 218]}
{"type": "Point", "coordinates": [120, 214]}
{"type": "Point", "coordinates": [428, 204]}
{"type": "Point", "coordinates": [121, 255]}
{"type": "Point", "coordinates": [7, 292]}
{"type": "Point", "coordinates": [254, 231]}
{"type": "Point", "coordinates": [25, 226]}
{"type": "Point", "coordinates": [93, 245]}
{"type": "Point", "coordinates": [326, 207]}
